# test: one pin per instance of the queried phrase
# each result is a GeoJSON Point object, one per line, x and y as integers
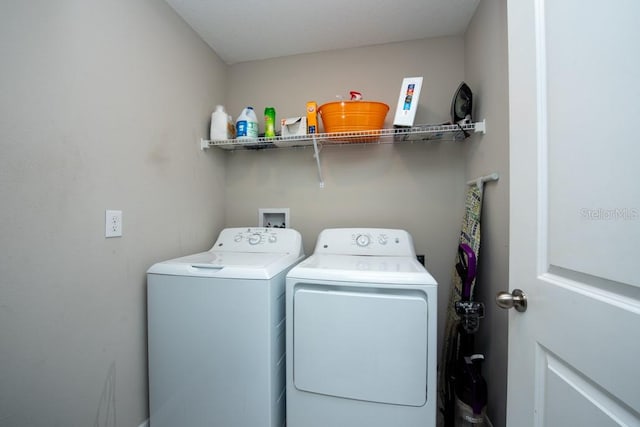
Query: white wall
{"type": "Point", "coordinates": [418, 187]}
{"type": "Point", "coordinates": [102, 104]}
{"type": "Point", "coordinates": [486, 73]}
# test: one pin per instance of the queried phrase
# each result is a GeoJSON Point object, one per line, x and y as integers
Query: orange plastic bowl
{"type": "Point", "coordinates": [353, 116]}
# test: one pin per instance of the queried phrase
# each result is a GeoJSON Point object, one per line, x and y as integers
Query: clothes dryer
{"type": "Point", "coordinates": [216, 331]}
{"type": "Point", "coordinates": [361, 333]}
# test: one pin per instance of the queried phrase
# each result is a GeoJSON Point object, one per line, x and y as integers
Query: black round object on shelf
{"type": "Point", "coordinates": [462, 104]}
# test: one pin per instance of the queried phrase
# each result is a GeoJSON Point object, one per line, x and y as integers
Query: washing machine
{"type": "Point", "coordinates": [216, 331]}
{"type": "Point", "coordinates": [361, 333]}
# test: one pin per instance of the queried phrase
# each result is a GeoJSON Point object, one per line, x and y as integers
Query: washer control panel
{"type": "Point", "coordinates": [258, 239]}
{"type": "Point", "coordinates": [365, 241]}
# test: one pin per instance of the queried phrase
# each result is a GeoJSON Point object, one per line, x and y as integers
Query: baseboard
{"type": "Point", "coordinates": [486, 420]}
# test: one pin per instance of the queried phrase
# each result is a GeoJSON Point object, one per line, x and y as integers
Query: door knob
{"type": "Point", "coordinates": [517, 299]}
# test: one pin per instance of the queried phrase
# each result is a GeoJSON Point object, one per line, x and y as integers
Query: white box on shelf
{"type": "Point", "coordinates": [408, 101]}
{"type": "Point", "coordinates": [293, 126]}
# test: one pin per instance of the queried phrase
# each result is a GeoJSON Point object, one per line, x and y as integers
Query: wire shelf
{"type": "Point", "coordinates": [383, 136]}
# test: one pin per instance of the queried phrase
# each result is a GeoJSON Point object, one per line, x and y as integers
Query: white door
{"type": "Point", "coordinates": [574, 83]}
{"type": "Point", "coordinates": [363, 345]}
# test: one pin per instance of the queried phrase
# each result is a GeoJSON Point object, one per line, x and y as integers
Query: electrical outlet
{"type": "Point", "coordinates": [113, 224]}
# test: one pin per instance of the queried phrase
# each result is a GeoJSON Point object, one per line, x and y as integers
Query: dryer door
{"type": "Point", "coordinates": [365, 344]}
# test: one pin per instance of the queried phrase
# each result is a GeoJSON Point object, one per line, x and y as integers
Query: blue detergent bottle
{"type": "Point", "coordinates": [247, 124]}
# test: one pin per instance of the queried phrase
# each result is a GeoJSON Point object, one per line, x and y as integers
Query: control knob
{"type": "Point", "coordinates": [363, 240]}
{"type": "Point", "coordinates": [255, 238]}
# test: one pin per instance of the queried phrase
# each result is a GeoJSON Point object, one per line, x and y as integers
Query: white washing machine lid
{"type": "Point", "coordinates": [240, 253]}
{"type": "Point", "coordinates": [229, 265]}
{"type": "Point", "coordinates": [363, 269]}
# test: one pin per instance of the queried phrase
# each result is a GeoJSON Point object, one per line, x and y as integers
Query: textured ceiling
{"type": "Point", "coordinates": [248, 30]}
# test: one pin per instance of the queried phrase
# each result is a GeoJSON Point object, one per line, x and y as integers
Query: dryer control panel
{"type": "Point", "coordinates": [259, 239]}
{"type": "Point", "coordinates": [365, 241]}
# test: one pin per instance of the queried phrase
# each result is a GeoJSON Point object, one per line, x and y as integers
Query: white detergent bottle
{"type": "Point", "coordinates": [247, 124]}
{"type": "Point", "coordinates": [219, 127]}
